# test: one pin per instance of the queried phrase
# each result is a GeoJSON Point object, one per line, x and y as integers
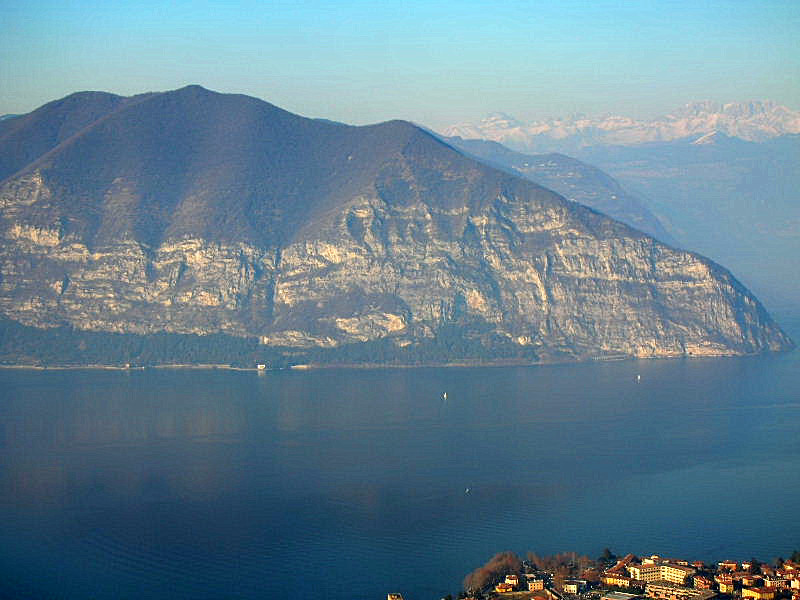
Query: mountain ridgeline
{"type": "Point", "coordinates": [752, 121]}
{"type": "Point", "coordinates": [203, 214]}
{"type": "Point", "coordinates": [573, 179]}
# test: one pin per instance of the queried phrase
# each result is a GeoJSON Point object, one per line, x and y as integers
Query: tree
{"type": "Point", "coordinates": [537, 561]}
{"type": "Point", "coordinates": [561, 574]}
{"type": "Point", "coordinates": [500, 564]}
{"type": "Point", "coordinates": [607, 556]}
{"type": "Point", "coordinates": [755, 566]}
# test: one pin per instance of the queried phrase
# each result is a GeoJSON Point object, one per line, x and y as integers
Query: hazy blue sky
{"type": "Point", "coordinates": [432, 62]}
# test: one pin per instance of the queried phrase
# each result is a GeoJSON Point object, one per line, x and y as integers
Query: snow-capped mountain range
{"type": "Point", "coordinates": [753, 121]}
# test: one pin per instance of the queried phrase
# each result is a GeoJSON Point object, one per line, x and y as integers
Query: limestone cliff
{"type": "Point", "coordinates": [194, 212]}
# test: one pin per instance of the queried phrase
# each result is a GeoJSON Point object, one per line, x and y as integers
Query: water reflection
{"type": "Point", "coordinates": [199, 484]}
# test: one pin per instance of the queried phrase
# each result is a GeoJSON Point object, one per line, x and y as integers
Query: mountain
{"type": "Point", "coordinates": [751, 121]}
{"type": "Point", "coordinates": [573, 179]}
{"type": "Point", "coordinates": [27, 137]}
{"type": "Point", "coordinates": [733, 200]}
{"type": "Point", "coordinates": [196, 213]}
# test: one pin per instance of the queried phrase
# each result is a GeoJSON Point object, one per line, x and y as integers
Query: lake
{"type": "Point", "coordinates": [354, 483]}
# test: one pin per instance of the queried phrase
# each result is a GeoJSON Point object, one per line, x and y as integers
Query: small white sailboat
{"type": "Point", "coordinates": [444, 396]}
{"type": "Point", "coordinates": [638, 378]}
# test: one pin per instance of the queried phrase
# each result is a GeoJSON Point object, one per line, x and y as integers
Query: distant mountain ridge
{"type": "Point", "coordinates": [196, 213]}
{"type": "Point", "coordinates": [733, 200]}
{"type": "Point", "coordinates": [752, 121]}
{"type": "Point", "coordinates": [573, 179]}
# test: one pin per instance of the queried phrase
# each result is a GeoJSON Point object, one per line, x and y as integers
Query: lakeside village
{"type": "Point", "coordinates": [569, 577]}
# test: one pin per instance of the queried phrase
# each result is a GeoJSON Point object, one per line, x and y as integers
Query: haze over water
{"type": "Point", "coordinates": [353, 483]}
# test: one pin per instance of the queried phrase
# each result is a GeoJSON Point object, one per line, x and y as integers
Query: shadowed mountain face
{"type": "Point", "coordinates": [196, 212]}
{"type": "Point", "coordinates": [25, 138]}
{"type": "Point", "coordinates": [167, 166]}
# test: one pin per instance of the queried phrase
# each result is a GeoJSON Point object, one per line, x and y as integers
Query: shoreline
{"type": "Point", "coordinates": [198, 367]}
{"type": "Point", "coordinates": [373, 366]}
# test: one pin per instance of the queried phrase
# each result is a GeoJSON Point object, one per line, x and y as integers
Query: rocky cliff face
{"type": "Point", "coordinates": [314, 234]}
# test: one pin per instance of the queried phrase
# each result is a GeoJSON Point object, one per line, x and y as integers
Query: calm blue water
{"type": "Point", "coordinates": [351, 484]}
